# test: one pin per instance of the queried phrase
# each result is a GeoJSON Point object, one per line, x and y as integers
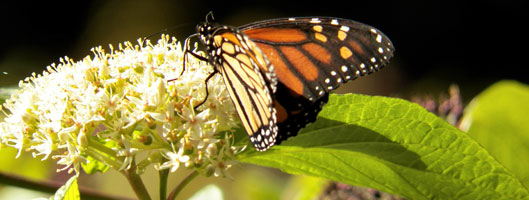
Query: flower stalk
{"type": "Point", "coordinates": [136, 183]}
{"type": "Point", "coordinates": [174, 193]}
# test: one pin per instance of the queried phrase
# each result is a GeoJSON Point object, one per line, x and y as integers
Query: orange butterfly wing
{"type": "Point", "coordinates": [311, 57]}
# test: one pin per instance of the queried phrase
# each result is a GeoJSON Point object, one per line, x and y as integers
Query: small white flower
{"type": "Point", "coordinates": [70, 157]}
{"type": "Point", "coordinates": [128, 152]}
{"type": "Point", "coordinates": [45, 143]}
{"type": "Point", "coordinates": [173, 161]}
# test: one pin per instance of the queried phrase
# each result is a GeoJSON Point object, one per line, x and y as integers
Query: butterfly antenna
{"type": "Point", "coordinates": [210, 15]}
{"type": "Point", "coordinates": [164, 31]}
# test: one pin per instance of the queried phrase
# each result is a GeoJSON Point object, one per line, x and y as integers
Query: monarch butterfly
{"type": "Point", "coordinates": [279, 72]}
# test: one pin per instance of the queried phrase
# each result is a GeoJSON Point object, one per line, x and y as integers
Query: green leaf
{"type": "Point", "coordinates": [211, 192]}
{"type": "Point", "coordinates": [498, 121]}
{"type": "Point", "coordinates": [394, 146]}
{"type": "Point", "coordinates": [69, 191]}
{"type": "Point", "coordinates": [93, 165]}
{"type": "Point", "coordinates": [258, 184]}
{"type": "Point", "coordinates": [304, 187]}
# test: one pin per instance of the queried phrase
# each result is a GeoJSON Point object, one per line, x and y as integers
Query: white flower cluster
{"type": "Point", "coordinates": [115, 106]}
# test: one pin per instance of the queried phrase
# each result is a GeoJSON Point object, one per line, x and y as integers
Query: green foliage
{"type": "Point", "coordinates": [211, 192]}
{"type": "Point", "coordinates": [498, 118]}
{"type": "Point", "coordinates": [259, 184]}
{"type": "Point", "coordinates": [93, 165]}
{"type": "Point", "coordinates": [69, 191]}
{"type": "Point", "coordinates": [394, 146]}
{"type": "Point", "coordinates": [304, 187]}
{"type": "Point", "coordinates": [391, 145]}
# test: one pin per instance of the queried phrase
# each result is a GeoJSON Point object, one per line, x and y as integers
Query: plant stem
{"type": "Point", "coordinates": [102, 153]}
{"type": "Point", "coordinates": [136, 183]}
{"type": "Point", "coordinates": [182, 184]}
{"type": "Point", "coordinates": [164, 174]}
{"type": "Point", "coordinates": [51, 187]}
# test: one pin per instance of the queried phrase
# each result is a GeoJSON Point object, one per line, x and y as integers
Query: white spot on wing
{"type": "Point", "coordinates": [379, 38]}
{"type": "Point", "coordinates": [344, 68]}
{"type": "Point", "coordinates": [315, 20]}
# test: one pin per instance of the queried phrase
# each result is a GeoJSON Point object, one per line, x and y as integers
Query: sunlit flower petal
{"type": "Point", "coordinates": [112, 107]}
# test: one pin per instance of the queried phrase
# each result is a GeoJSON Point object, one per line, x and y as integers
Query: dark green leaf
{"type": "Point", "coordinates": [394, 146]}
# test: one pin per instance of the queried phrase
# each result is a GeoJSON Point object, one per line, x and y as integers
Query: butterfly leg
{"type": "Point", "coordinates": [202, 58]}
{"type": "Point", "coordinates": [207, 91]}
{"type": "Point", "coordinates": [188, 51]}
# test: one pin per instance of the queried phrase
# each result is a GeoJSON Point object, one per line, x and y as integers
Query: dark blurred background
{"type": "Point", "coordinates": [437, 42]}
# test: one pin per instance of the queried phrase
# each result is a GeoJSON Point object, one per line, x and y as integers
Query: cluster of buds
{"type": "Point", "coordinates": [114, 106]}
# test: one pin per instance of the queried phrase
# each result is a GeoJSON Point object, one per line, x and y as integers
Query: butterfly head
{"type": "Point", "coordinates": [205, 31]}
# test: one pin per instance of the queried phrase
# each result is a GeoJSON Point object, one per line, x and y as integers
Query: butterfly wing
{"type": "Point", "coordinates": [240, 62]}
{"type": "Point", "coordinates": [311, 57]}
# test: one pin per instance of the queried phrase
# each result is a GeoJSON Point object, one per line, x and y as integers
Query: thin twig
{"type": "Point", "coordinates": [51, 187]}
{"type": "Point", "coordinates": [181, 186]}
